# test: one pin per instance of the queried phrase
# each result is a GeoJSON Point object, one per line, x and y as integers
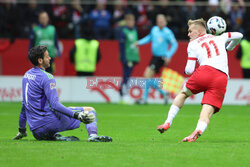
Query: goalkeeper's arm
{"type": "Point", "coordinates": [22, 125]}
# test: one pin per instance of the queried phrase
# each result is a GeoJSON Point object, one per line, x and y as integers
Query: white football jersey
{"type": "Point", "coordinates": [211, 50]}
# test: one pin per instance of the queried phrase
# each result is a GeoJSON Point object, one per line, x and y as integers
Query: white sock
{"type": "Point", "coordinates": [201, 126]}
{"type": "Point", "coordinates": [92, 135]}
{"type": "Point", "coordinates": [172, 113]}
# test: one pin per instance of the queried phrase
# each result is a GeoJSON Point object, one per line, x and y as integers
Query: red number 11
{"type": "Point", "coordinates": [208, 49]}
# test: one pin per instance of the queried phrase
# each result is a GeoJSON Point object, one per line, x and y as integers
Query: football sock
{"type": "Point", "coordinates": [146, 89]}
{"type": "Point", "coordinates": [92, 127]}
{"type": "Point", "coordinates": [172, 113]}
{"type": "Point", "coordinates": [201, 126]}
{"type": "Point", "coordinates": [156, 86]}
{"type": "Point", "coordinates": [92, 135]}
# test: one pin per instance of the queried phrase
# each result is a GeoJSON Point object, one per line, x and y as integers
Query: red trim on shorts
{"type": "Point", "coordinates": [229, 35]}
{"type": "Point", "coordinates": [192, 58]}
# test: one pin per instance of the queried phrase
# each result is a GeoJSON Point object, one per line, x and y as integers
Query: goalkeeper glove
{"type": "Point", "coordinates": [22, 133]}
{"type": "Point", "coordinates": [84, 117]}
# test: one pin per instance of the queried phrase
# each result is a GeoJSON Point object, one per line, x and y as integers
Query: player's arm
{"type": "Point", "coordinates": [146, 39]}
{"type": "Point", "coordinates": [22, 125]}
{"type": "Point", "coordinates": [51, 94]}
{"type": "Point", "coordinates": [173, 43]}
{"type": "Point", "coordinates": [233, 38]}
{"type": "Point", "coordinates": [190, 66]}
{"type": "Point", "coordinates": [122, 39]}
{"type": "Point", "coordinates": [57, 45]}
{"type": "Point", "coordinates": [32, 39]}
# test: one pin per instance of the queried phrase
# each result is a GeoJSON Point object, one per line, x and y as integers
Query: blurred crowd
{"type": "Point", "coordinates": [106, 19]}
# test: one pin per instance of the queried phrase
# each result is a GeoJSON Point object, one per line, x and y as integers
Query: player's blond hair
{"type": "Point", "coordinates": [201, 22]}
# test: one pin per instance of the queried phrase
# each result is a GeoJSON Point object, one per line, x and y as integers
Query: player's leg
{"type": "Point", "coordinates": [214, 86]}
{"type": "Point", "coordinates": [92, 129]}
{"type": "Point", "coordinates": [149, 72]}
{"type": "Point", "coordinates": [160, 63]}
{"type": "Point", "coordinates": [156, 65]}
{"type": "Point", "coordinates": [148, 75]}
{"type": "Point", "coordinates": [174, 109]}
{"type": "Point", "coordinates": [50, 131]}
{"type": "Point", "coordinates": [59, 123]}
{"type": "Point", "coordinates": [178, 102]}
{"type": "Point", "coordinates": [205, 115]}
{"type": "Point", "coordinates": [156, 85]}
{"type": "Point", "coordinates": [122, 88]}
{"type": "Point", "coordinates": [127, 70]}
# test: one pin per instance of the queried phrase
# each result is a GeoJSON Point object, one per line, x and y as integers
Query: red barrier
{"type": "Point", "coordinates": [15, 62]}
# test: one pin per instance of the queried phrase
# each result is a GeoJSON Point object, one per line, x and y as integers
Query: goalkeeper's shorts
{"type": "Point", "coordinates": [62, 123]}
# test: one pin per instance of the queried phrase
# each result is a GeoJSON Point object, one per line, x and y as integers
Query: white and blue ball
{"type": "Point", "coordinates": [216, 25]}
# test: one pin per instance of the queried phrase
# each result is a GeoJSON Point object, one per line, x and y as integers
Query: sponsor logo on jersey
{"type": "Point", "coordinates": [52, 85]}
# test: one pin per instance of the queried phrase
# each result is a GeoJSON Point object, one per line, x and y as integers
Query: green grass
{"type": "Point", "coordinates": [135, 139]}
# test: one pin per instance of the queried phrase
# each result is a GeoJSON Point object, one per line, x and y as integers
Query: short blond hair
{"type": "Point", "coordinates": [201, 22]}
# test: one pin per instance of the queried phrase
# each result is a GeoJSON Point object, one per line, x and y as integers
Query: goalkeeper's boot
{"type": "Point", "coordinates": [163, 128]}
{"type": "Point", "coordinates": [59, 137]}
{"type": "Point", "coordinates": [193, 137]}
{"type": "Point", "coordinates": [95, 138]}
{"type": "Point", "coordinates": [20, 135]}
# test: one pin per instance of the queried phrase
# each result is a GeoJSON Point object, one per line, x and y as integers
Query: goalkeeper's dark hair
{"type": "Point", "coordinates": [35, 53]}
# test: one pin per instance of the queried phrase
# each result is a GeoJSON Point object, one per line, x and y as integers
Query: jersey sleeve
{"type": "Point", "coordinates": [173, 43]}
{"type": "Point", "coordinates": [122, 40]}
{"type": "Point", "coordinates": [22, 118]}
{"type": "Point", "coordinates": [146, 39]}
{"type": "Point", "coordinates": [190, 66]}
{"type": "Point", "coordinates": [51, 94]}
{"type": "Point", "coordinates": [233, 38]}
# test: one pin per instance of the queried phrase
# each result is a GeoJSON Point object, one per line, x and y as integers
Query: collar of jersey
{"type": "Point", "coordinates": [39, 68]}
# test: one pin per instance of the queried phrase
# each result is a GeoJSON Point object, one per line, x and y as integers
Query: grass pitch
{"type": "Point", "coordinates": [136, 142]}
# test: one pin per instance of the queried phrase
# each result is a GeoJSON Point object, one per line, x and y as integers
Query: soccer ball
{"type": "Point", "coordinates": [216, 25]}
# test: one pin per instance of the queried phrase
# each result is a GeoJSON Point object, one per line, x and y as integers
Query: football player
{"type": "Point", "coordinates": [46, 116]}
{"type": "Point", "coordinates": [210, 77]}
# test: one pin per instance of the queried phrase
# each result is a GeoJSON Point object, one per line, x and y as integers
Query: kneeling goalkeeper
{"type": "Point", "coordinates": [46, 116]}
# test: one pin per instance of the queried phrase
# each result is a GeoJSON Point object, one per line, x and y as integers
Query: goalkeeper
{"type": "Point", "coordinates": [46, 116]}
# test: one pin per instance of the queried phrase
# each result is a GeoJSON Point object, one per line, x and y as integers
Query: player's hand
{"type": "Point", "coordinates": [130, 64]}
{"type": "Point", "coordinates": [136, 44]}
{"type": "Point", "coordinates": [86, 117]}
{"type": "Point", "coordinates": [166, 61]}
{"type": "Point", "coordinates": [20, 135]}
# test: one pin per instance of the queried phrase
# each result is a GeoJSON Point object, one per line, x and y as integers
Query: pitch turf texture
{"type": "Point", "coordinates": [136, 142]}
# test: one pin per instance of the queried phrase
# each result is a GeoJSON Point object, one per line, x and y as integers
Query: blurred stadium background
{"type": "Point", "coordinates": [17, 17]}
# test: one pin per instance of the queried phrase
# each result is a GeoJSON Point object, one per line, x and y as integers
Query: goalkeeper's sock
{"type": "Point", "coordinates": [201, 126]}
{"type": "Point", "coordinates": [172, 113]}
{"type": "Point", "coordinates": [92, 135]}
{"type": "Point", "coordinates": [92, 127]}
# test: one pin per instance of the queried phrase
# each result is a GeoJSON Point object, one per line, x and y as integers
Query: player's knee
{"type": "Point", "coordinates": [148, 73]}
{"type": "Point", "coordinates": [186, 91]}
{"type": "Point", "coordinates": [88, 109]}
